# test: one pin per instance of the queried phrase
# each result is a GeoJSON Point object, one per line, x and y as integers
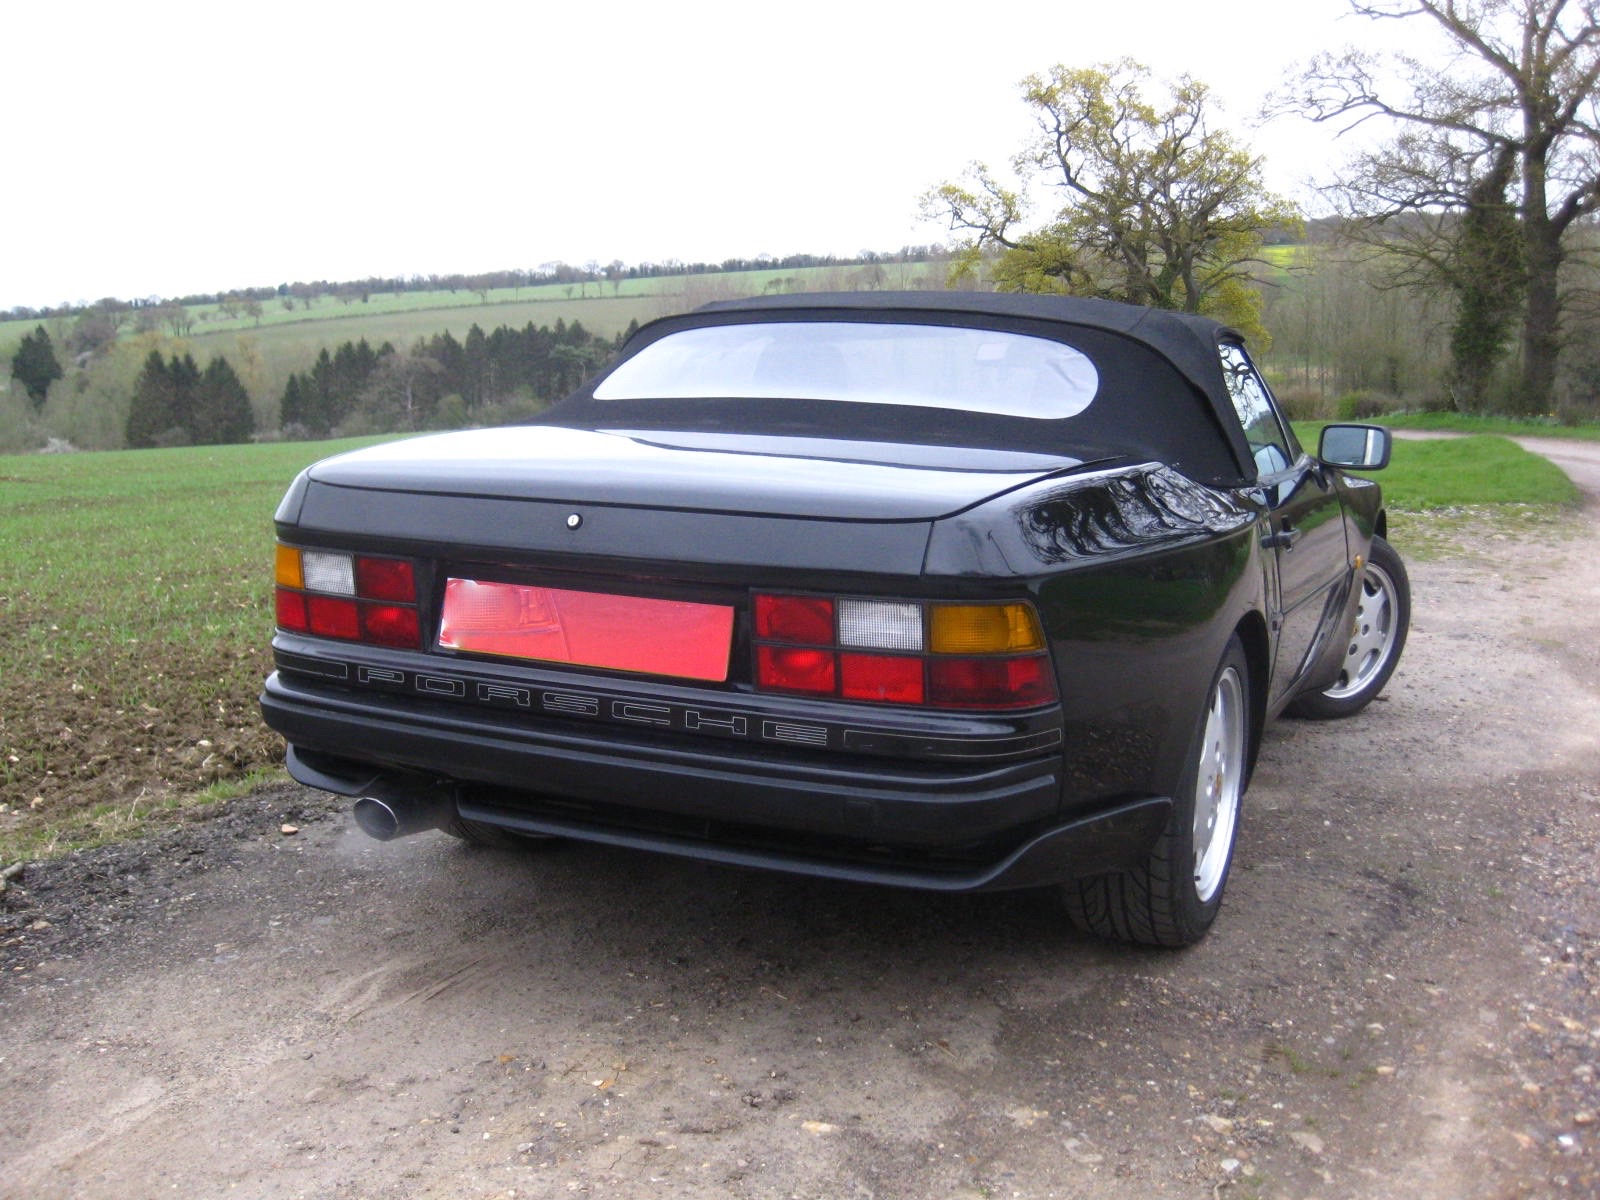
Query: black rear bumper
{"type": "Point", "coordinates": [934, 825]}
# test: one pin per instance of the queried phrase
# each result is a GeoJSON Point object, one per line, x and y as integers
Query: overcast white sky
{"type": "Point", "coordinates": [182, 147]}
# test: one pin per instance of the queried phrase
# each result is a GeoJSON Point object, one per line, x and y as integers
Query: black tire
{"type": "Point", "coordinates": [1172, 898]}
{"type": "Point", "coordinates": [1382, 621]}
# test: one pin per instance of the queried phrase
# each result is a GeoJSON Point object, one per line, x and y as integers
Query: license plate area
{"type": "Point", "coordinates": [674, 638]}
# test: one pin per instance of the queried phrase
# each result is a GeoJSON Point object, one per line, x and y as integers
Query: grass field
{"type": "Point", "coordinates": [1474, 470]}
{"type": "Point", "coordinates": [135, 615]}
{"type": "Point", "coordinates": [1504, 426]}
{"type": "Point", "coordinates": [1463, 472]}
{"type": "Point", "coordinates": [134, 618]}
{"type": "Point", "coordinates": [286, 341]}
{"type": "Point", "coordinates": [397, 316]}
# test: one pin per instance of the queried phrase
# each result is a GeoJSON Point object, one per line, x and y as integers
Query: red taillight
{"type": "Point", "coordinates": [940, 655]}
{"type": "Point", "coordinates": [794, 669]}
{"type": "Point", "coordinates": [328, 593]}
{"type": "Point", "coordinates": [990, 682]}
{"type": "Point", "coordinates": [333, 616]}
{"type": "Point", "coordinates": [385, 579]}
{"type": "Point", "coordinates": [881, 677]}
{"type": "Point", "coordinates": [389, 625]}
{"type": "Point", "coordinates": [291, 608]}
{"type": "Point", "coordinates": [805, 619]}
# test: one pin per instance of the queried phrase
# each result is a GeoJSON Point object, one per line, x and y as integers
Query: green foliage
{"type": "Point", "coordinates": [1339, 325]}
{"type": "Point", "coordinates": [1511, 114]}
{"type": "Point", "coordinates": [90, 405]}
{"type": "Point", "coordinates": [499, 376]}
{"type": "Point", "coordinates": [35, 366]}
{"type": "Point", "coordinates": [1303, 403]}
{"type": "Point", "coordinates": [1362, 406]}
{"type": "Point", "coordinates": [1488, 274]}
{"type": "Point", "coordinates": [155, 407]}
{"type": "Point", "coordinates": [322, 399]}
{"type": "Point", "coordinates": [174, 404]}
{"type": "Point", "coordinates": [1160, 208]}
{"type": "Point", "coordinates": [222, 410]}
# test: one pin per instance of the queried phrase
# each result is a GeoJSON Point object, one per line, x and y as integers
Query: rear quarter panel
{"type": "Point", "coordinates": [1141, 576]}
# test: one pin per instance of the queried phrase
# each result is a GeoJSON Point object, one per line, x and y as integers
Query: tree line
{"type": "Point", "coordinates": [442, 381]}
{"type": "Point", "coordinates": [249, 300]}
{"type": "Point", "coordinates": [1486, 189]}
{"type": "Point", "coordinates": [1483, 199]}
{"type": "Point", "coordinates": [175, 403]}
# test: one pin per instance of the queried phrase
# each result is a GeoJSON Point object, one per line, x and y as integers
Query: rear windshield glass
{"type": "Point", "coordinates": [921, 366]}
{"type": "Point", "coordinates": [1040, 387]}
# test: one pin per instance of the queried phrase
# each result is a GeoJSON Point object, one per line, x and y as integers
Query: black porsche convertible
{"type": "Point", "coordinates": [944, 590]}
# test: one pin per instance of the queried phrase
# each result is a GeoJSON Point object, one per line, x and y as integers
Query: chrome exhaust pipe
{"type": "Point", "coordinates": [391, 810]}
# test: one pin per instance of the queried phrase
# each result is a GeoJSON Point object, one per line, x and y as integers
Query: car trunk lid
{"type": "Point", "coordinates": [805, 478]}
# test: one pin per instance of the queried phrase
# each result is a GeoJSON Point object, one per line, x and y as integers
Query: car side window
{"type": "Point", "coordinates": [1269, 441]}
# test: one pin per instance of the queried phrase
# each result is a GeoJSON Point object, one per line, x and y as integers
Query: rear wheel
{"type": "Point", "coordinates": [1378, 635]}
{"type": "Point", "coordinates": [1172, 897]}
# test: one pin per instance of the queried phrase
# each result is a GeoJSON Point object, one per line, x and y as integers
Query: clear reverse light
{"type": "Point", "coordinates": [334, 574]}
{"type": "Point", "coordinates": [880, 625]}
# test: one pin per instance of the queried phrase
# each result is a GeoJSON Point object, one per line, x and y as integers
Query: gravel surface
{"type": "Point", "coordinates": [1402, 996]}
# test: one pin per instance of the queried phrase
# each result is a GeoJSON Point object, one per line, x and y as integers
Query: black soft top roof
{"type": "Point", "coordinates": [1185, 342]}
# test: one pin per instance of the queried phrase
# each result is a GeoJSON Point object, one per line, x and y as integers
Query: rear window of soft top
{"type": "Point", "coordinates": [920, 366]}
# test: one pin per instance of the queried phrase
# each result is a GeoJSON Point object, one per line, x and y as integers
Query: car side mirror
{"type": "Point", "coordinates": [1355, 447]}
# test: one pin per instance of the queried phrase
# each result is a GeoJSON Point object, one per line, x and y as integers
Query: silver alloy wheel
{"type": "Point", "coordinates": [1219, 785]}
{"type": "Point", "coordinates": [1373, 638]}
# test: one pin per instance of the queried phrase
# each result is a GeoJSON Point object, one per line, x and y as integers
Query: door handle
{"type": "Point", "coordinates": [1284, 539]}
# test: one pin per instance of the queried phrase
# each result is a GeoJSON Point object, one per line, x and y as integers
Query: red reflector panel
{"type": "Point", "coordinates": [990, 682]}
{"type": "Point", "coordinates": [291, 608]}
{"type": "Point", "coordinates": [788, 669]}
{"type": "Point", "coordinates": [881, 677]}
{"type": "Point", "coordinates": [332, 616]}
{"type": "Point", "coordinates": [385, 579]}
{"type": "Point", "coordinates": [390, 625]}
{"type": "Point", "coordinates": [588, 629]}
{"type": "Point", "coordinates": [804, 619]}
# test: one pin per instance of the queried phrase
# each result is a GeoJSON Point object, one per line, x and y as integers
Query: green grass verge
{"type": "Point", "coordinates": [1504, 426]}
{"type": "Point", "coordinates": [1454, 496]}
{"type": "Point", "coordinates": [1469, 471]}
{"type": "Point", "coordinates": [99, 824]}
{"type": "Point", "coordinates": [1472, 471]}
{"type": "Point", "coordinates": [135, 613]}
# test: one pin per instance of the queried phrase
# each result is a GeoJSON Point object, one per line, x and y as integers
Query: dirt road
{"type": "Point", "coordinates": [1402, 996]}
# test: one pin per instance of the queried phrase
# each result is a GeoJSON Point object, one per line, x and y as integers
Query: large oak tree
{"type": "Point", "coordinates": [1145, 200]}
{"type": "Point", "coordinates": [1495, 161]}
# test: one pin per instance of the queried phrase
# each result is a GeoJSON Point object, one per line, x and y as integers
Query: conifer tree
{"type": "Point", "coordinates": [292, 408]}
{"type": "Point", "coordinates": [322, 404]}
{"type": "Point", "coordinates": [153, 407]}
{"type": "Point", "coordinates": [185, 376]}
{"type": "Point", "coordinates": [35, 365]}
{"type": "Point", "coordinates": [222, 412]}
